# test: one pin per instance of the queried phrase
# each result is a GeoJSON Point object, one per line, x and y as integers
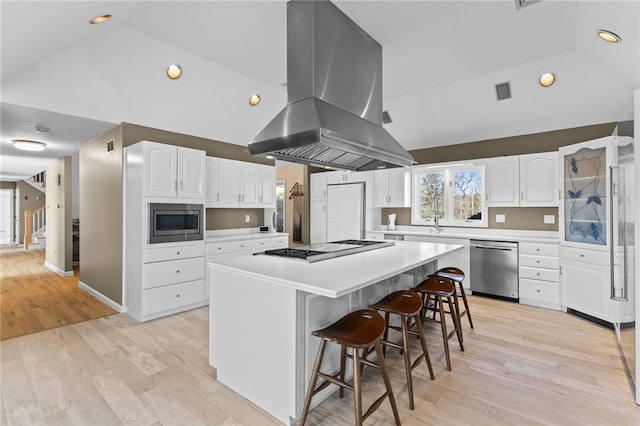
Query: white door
{"type": "Point", "coordinates": [381, 188]}
{"type": "Point", "coordinates": [502, 186]}
{"type": "Point", "coordinates": [539, 179]}
{"type": "Point", "coordinates": [160, 169]}
{"type": "Point", "coordinates": [249, 182]}
{"type": "Point", "coordinates": [399, 187]}
{"type": "Point", "coordinates": [267, 184]}
{"type": "Point", "coordinates": [318, 231]}
{"type": "Point", "coordinates": [229, 183]}
{"type": "Point", "coordinates": [6, 216]}
{"type": "Point", "coordinates": [345, 212]}
{"type": "Point", "coordinates": [190, 173]}
{"type": "Point", "coordinates": [211, 181]}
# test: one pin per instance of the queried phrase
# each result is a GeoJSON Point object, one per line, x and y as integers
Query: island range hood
{"type": "Point", "coordinates": [333, 117]}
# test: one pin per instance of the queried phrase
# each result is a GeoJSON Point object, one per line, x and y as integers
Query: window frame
{"type": "Point", "coordinates": [449, 197]}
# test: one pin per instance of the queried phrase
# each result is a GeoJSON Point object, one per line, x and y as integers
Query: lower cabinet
{"type": "Point", "coordinates": [539, 275]}
{"type": "Point", "coordinates": [586, 279]}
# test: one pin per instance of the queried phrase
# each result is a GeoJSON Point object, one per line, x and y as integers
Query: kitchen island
{"type": "Point", "coordinates": [262, 310]}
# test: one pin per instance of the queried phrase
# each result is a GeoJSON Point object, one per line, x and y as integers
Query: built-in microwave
{"type": "Point", "coordinates": [173, 222]}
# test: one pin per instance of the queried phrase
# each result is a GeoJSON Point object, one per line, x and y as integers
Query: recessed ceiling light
{"type": "Point", "coordinates": [609, 36]}
{"type": "Point", "coordinates": [100, 19]}
{"type": "Point", "coordinates": [254, 100]}
{"type": "Point", "coordinates": [174, 71]}
{"type": "Point", "coordinates": [547, 79]}
{"type": "Point", "coordinates": [27, 145]}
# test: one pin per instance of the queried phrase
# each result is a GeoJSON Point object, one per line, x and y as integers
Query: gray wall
{"type": "Point", "coordinates": [59, 239]}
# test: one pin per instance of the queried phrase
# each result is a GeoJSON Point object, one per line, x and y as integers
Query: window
{"type": "Point", "coordinates": [453, 194]}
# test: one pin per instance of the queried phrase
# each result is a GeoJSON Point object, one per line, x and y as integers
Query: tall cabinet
{"type": "Point", "coordinates": [164, 278]}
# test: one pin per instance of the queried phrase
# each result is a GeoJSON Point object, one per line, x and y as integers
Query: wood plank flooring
{"type": "Point", "coordinates": [33, 298]}
{"type": "Point", "coordinates": [521, 366]}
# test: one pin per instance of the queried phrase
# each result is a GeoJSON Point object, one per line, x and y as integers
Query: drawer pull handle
{"type": "Point", "coordinates": [177, 252]}
{"type": "Point", "coordinates": [177, 295]}
{"type": "Point", "coordinates": [582, 255]}
{"type": "Point", "coordinates": [537, 249]}
{"type": "Point", "coordinates": [537, 261]}
{"type": "Point", "coordinates": [538, 273]}
{"type": "Point", "coordinates": [538, 290]}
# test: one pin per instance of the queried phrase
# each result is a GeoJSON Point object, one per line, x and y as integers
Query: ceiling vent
{"type": "Point", "coordinates": [503, 91]}
{"type": "Point", "coordinates": [522, 3]}
{"type": "Point", "coordinates": [386, 118]}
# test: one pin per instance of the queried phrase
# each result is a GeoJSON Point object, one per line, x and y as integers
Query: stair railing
{"type": "Point", "coordinates": [34, 221]}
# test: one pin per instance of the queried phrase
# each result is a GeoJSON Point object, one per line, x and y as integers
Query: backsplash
{"type": "Point", "coordinates": [233, 218]}
{"type": "Point", "coordinates": [525, 218]}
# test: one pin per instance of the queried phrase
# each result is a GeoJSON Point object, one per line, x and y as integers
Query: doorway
{"type": "Point", "coordinates": [6, 216]}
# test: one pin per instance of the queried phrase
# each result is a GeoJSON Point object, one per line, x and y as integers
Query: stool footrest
{"type": "Point", "coordinates": [332, 379]}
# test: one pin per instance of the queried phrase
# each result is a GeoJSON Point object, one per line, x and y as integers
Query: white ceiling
{"type": "Point", "coordinates": [441, 60]}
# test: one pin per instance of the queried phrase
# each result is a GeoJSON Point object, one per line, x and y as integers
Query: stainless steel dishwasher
{"type": "Point", "coordinates": [494, 269]}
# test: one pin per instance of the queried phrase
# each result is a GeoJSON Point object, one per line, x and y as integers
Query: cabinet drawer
{"type": "Point", "coordinates": [172, 296]}
{"type": "Point", "coordinates": [241, 246]}
{"type": "Point", "coordinates": [539, 249]}
{"type": "Point", "coordinates": [172, 253]}
{"type": "Point", "coordinates": [539, 274]}
{"type": "Point", "coordinates": [594, 257]}
{"type": "Point", "coordinates": [172, 271]}
{"type": "Point", "coordinates": [279, 242]}
{"type": "Point", "coordinates": [215, 248]}
{"type": "Point", "coordinates": [260, 245]}
{"type": "Point", "coordinates": [539, 261]}
{"type": "Point", "coordinates": [543, 291]}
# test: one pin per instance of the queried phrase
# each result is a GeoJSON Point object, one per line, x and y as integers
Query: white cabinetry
{"type": "Point", "coordinates": [586, 281]}
{"type": "Point", "coordinates": [211, 167]}
{"type": "Point", "coordinates": [539, 179]}
{"type": "Point", "coordinates": [538, 275]}
{"type": "Point", "coordinates": [243, 184]}
{"type": "Point", "coordinates": [171, 171]}
{"type": "Point", "coordinates": [345, 177]}
{"type": "Point", "coordinates": [392, 188]}
{"type": "Point", "coordinates": [318, 189]}
{"type": "Point", "coordinates": [502, 181]}
{"type": "Point", "coordinates": [318, 208]}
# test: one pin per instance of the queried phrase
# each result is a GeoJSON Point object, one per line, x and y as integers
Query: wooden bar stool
{"type": "Point", "coordinates": [407, 304]}
{"type": "Point", "coordinates": [457, 276]}
{"type": "Point", "coordinates": [357, 330]}
{"type": "Point", "coordinates": [441, 289]}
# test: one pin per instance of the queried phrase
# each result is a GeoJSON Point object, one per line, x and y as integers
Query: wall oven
{"type": "Point", "coordinates": [173, 222]}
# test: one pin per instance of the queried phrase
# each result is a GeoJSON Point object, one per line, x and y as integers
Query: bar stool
{"type": "Point", "coordinates": [407, 304]}
{"type": "Point", "coordinates": [441, 289]}
{"type": "Point", "coordinates": [457, 276]}
{"type": "Point", "coordinates": [357, 330]}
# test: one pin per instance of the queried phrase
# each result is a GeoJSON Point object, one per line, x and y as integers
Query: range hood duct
{"type": "Point", "coordinates": [333, 117]}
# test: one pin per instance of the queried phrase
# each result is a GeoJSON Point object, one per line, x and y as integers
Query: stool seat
{"type": "Point", "coordinates": [357, 330]}
{"type": "Point", "coordinates": [457, 275]}
{"type": "Point", "coordinates": [407, 304]}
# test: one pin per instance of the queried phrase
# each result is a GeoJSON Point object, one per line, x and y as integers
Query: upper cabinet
{"type": "Point", "coordinates": [318, 186]}
{"type": "Point", "coordinates": [539, 179]}
{"type": "Point", "coordinates": [345, 177]}
{"type": "Point", "coordinates": [212, 165]}
{"type": "Point", "coordinates": [243, 184]}
{"type": "Point", "coordinates": [392, 188]}
{"type": "Point", "coordinates": [172, 171]}
{"type": "Point", "coordinates": [522, 180]}
{"type": "Point", "coordinates": [502, 181]}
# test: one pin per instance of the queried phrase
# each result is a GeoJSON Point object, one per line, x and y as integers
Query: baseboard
{"type": "Point", "coordinates": [58, 270]}
{"type": "Point", "coordinates": [101, 297]}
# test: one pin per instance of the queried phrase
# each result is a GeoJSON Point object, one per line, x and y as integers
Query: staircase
{"type": "Point", "coordinates": [35, 228]}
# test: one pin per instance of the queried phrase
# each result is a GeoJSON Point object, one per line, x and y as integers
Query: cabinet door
{"type": "Point", "coordinates": [336, 177]}
{"type": "Point", "coordinates": [229, 183]}
{"type": "Point", "coordinates": [318, 186]}
{"type": "Point", "coordinates": [211, 166]}
{"type": "Point", "coordinates": [191, 173]}
{"type": "Point", "coordinates": [381, 187]}
{"type": "Point", "coordinates": [502, 186]}
{"type": "Point", "coordinates": [267, 184]}
{"type": "Point", "coordinates": [399, 188]}
{"type": "Point", "coordinates": [539, 180]}
{"type": "Point", "coordinates": [318, 219]}
{"type": "Point", "coordinates": [160, 170]}
{"type": "Point", "coordinates": [586, 288]}
{"type": "Point", "coordinates": [249, 184]}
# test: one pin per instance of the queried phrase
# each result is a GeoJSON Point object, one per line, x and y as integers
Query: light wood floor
{"type": "Point", "coordinates": [33, 298]}
{"type": "Point", "coordinates": [521, 366]}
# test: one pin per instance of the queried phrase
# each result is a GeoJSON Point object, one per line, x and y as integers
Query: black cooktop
{"type": "Point", "coordinates": [293, 252]}
{"type": "Point", "coordinates": [324, 251]}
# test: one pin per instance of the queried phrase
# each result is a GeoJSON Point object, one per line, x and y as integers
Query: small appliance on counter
{"type": "Point", "coordinates": [391, 224]}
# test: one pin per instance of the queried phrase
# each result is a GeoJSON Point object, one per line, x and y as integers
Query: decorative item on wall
{"type": "Point", "coordinates": [585, 181]}
{"type": "Point", "coordinates": [295, 194]}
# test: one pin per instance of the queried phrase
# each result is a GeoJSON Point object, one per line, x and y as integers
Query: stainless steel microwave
{"type": "Point", "coordinates": [169, 222]}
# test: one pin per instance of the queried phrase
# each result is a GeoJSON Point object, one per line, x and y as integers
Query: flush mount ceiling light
{"type": "Point", "coordinates": [547, 79]}
{"type": "Point", "coordinates": [609, 36]}
{"type": "Point", "coordinates": [254, 100]}
{"type": "Point", "coordinates": [100, 19]}
{"type": "Point", "coordinates": [174, 71]}
{"type": "Point", "coordinates": [27, 145]}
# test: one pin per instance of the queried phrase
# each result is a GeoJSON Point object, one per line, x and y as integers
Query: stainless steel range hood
{"type": "Point", "coordinates": [334, 79]}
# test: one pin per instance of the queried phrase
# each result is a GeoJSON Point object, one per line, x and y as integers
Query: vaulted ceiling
{"type": "Point", "coordinates": [441, 61]}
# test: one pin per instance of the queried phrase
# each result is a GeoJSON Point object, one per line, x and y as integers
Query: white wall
{"type": "Point", "coordinates": [75, 186]}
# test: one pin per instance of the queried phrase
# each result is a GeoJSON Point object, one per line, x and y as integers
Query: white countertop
{"type": "Point", "coordinates": [476, 234]}
{"type": "Point", "coordinates": [339, 276]}
{"type": "Point", "coordinates": [218, 238]}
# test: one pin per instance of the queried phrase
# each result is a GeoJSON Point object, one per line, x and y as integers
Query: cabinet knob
{"type": "Point", "coordinates": [538, 290]}
{"type": "Point", "coordinates": [582, 255]}
{"type": "Point", "coordinates": [178, 271]}
{"type": "Point", "coordinates": [177, 295]}
{"type": "Point", "coordinates": [538, 273]}
{"type": "Point", "coordinates": [177, 252]}
{"type": "Point", "coordinates": [537, 261]}
{"type": "Point", "coordinates": [537, 249]}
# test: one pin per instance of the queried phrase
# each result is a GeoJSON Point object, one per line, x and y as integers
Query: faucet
{"type": "Point", "coordinates": [436, 219]}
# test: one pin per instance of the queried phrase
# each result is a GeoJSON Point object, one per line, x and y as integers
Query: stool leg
{"type": "Point", "coordinates": [456, 319]}
{"type": "Point", "coordinates": [456, 305]}
{"type": "Point", "coordinates": [343, 364]}
{"type": "Point", "coordinates": [407, 360]}
{"type": "Point", "coordinates": [387, 383]}
{"type": "Point", "coordinates": [357, 390]}
{"type": "Point", "coordinates": [466, 304]}
{"type": "Point", "coordinates": [423, 341]}
{"type": "Point", "coordinates": [312, 383]}
{"type": "Point", "coordinates": [445, 335]}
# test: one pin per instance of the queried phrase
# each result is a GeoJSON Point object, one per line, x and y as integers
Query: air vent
{"type": "Point", "coordinates": [522, 3]}
{"type": "Point", "coordinates": [503, 91]}
{"type": "Point", "coordinates": [386, 118]}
